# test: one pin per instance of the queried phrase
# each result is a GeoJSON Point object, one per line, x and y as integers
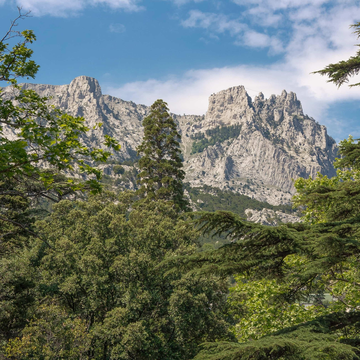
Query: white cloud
{"type": "Point", "coordinates": [306, 14]}
{"type": "Point", "coordinates": [117, 28]}
{"type": "Point", "coordinates": [317, 35]}
{"type": "Point", "coordinates": [65, 8]}
{"type": "Point", "coordinates": [262, 16]}
{"type": "Point", "coordinates": [255, 39]}
{"type": "Point", "coordinates": [216, 23]}
{"type": "Point", "coordinates": [280, 4]}
{"type": "Point", "coordinates": [183, 2]}
{"type": "Point", "coordinates": [220, 24]}
{"type": "Point", "coordinates": [284, 18]}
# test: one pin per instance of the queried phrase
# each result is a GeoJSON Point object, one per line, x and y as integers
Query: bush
{"type": "Point", "coordinates": [118, 169]}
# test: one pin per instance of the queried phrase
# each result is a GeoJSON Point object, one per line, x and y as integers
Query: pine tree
{"type": "Point", "coordinates": [320, 254]}
{"type": "Point", "coordinates": [161, 176]}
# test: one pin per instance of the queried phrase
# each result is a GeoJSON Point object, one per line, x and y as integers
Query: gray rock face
{"type": "Point", "coordinates": [277, 142]}
{"type": "Point", "coordinates": [83, 97]}
{"type": "Point", "coordinates": [270, 217]}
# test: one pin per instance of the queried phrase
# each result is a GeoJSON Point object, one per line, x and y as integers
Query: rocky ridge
{"type": "Point", "coordinates": [277, 143]}
{"type": "Point", "coordinates": [270, 217]}
{"type": "Point", "coordinates": [274, 143]}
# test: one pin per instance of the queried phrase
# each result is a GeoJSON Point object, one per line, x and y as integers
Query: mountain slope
{"type": "Point", "coordinates": [276, 143]}
{"type": "Point", "coordinates": [250, 147]}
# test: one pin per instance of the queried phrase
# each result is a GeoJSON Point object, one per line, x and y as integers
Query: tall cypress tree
{"type": "Point", "coordinates": [161, 175]}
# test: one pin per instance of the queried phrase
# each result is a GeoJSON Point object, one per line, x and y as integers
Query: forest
{"type": "Point", "coordinates": [218, 134]}
{"type": "Point", "coordinates": [101, 274]}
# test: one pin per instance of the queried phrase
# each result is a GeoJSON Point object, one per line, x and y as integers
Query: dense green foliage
{"type": "Point", "coordinates": [161, 175]}
{"type": "Point", "coordinates": [100, 274]}
{"type": "Point", "coordinates": [47, 143]}
{"type": "Point", "coordinates": [320, 255]}
{"type": "Point", "coordinates": [218, 134]}
{"type": "Point", "coordinates": [260, 311]}
{"type": "Point", "coordinates": [313, 340]}
{"type": "Point", "coordinates": [118, 170]}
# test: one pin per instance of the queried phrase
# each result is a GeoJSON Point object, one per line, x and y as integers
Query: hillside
{"type": "Point", "coordinates": [250, 147]}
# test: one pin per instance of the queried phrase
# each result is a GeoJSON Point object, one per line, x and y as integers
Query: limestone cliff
{"type": "Point", "coordinates": [270, 217]}
{"type": "Point", "coordinates": [274, 141]}
{"type": "Point", "coordinates": [277, 143]}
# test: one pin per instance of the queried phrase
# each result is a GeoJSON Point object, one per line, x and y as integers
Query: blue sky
{"type": "Point", "coordinates": [185, 50]}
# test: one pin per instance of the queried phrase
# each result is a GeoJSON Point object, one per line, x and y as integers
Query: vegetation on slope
{"type": "Point", "coordinates": [208, 198]}
{"type": "Point", "coordinates": [213, 136]}
{"type": "Point", "coordinates": [121, 276]}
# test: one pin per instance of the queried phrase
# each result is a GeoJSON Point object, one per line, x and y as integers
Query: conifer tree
{"type": "Point", "coordinates": [340, 72]}
{"type": "Point", "coordinates": [320, 254]}
{"type": "Point", "coordinates": [161, 175]}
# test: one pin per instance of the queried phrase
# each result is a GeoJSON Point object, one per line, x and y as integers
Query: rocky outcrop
{"type": "Point", "coordinates": [276, 142]}
{"type": "Point", "coordinates": [270, 217]}
{"type": "Point", "coordinates": [83, 97]}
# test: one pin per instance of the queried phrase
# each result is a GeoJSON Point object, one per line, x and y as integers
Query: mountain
{"type": "Point", "coordinates": [269, 143]}
{"type": "Point", "coordinates": [250, 147]}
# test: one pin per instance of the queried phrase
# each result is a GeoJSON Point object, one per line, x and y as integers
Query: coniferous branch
{"type": "Point", "coordinates": [262, 250]}
{"type": "Point", "coordinates": [314, 339]}
{"type": "Point", "coordinates": [340, 72]}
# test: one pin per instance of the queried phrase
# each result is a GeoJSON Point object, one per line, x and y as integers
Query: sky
{"type": "Point", "coordinates": [182, 51]}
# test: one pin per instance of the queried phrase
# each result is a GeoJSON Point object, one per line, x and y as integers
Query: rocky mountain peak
{"type": "Point", "coordinates": [259, 98]}
{"type": "Point", "coordinates": [236, 96]}
{"type": "Point", "coordinates": [83, 86]}
{"type": "Point", "coordinates": [252, 147]}
{"type": "Point", "coordinates": [234, 105]}
{"type": "Point", "coordinates": [228, 106]}
{"type": "Point", "coordinates": [256, 147]}
{"type": "Point", "coordinates": [290, 103]}
{"type": "Point", "coordinates": [286, 102]}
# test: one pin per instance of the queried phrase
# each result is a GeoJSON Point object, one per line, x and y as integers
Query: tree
{"type": "Point", "coordinates": [306, 258]}
{"type": "Point", "coordinates": [17, 293]}
{"type": "Point", "coordinates": [308, 341]}
{"type": "Point", "coordinates": [319, 255]}
{"type": "Point", "coordinates": [260, 310]}
{"type": "Point", "coordinates": [102, 270]}
{"type": "Point", "coordinates": [39, 144]}
{"type": "Point", "coordinates": [340, 72]}
{"type": "Point", "coordinates": [161, 175]}
{"type": "Point", "coordinates": [51, 334]}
